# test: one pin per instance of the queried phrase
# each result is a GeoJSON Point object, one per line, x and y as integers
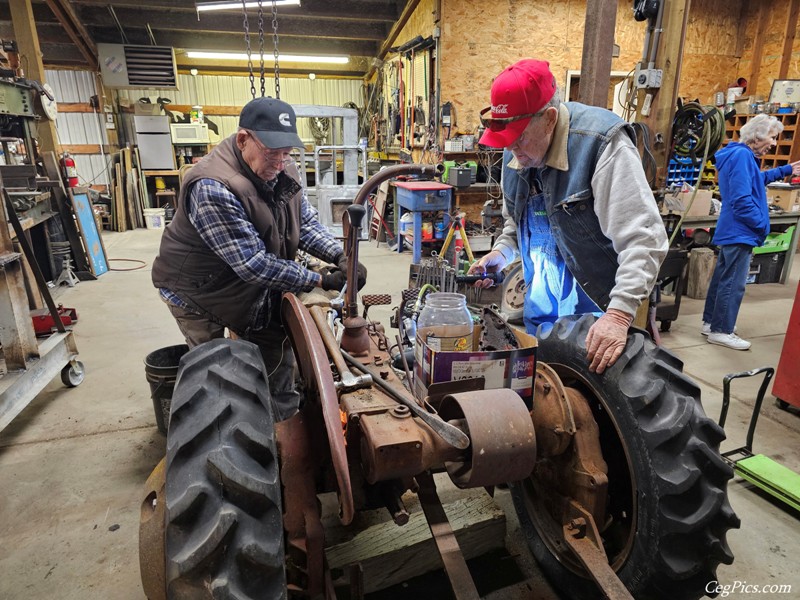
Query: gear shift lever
{"type": "Point", "coordinates": [355, 338]}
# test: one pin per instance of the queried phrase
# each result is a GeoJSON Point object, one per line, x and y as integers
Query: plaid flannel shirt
{"type": "Point", "coordinates": [221, 221]}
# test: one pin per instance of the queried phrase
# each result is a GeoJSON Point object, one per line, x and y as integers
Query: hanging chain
{"type": "Point", "coordinates": [275, 52]}
{"type": "Point", "coordinates": [261, 45]}
{"type": "Point", "coordinates": [249, 51]}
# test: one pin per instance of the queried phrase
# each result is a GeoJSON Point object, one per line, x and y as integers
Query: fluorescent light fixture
{"type": "Point", "coordinates": [208, 6]}
{"type": "Point", "coordinates": [337, 60]}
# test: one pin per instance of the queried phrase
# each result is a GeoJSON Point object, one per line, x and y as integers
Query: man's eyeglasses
{"type": "Point", "coordinates": [495, 124]}
{"type": "Point", "coordinates": [272, 156]}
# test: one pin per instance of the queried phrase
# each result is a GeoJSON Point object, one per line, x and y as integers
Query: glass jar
{"type": "Point", "coordinates": [445, 323]}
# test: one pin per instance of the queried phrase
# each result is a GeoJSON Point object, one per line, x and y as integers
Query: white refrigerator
{"type": "Point", "coordinates": [155, 143]}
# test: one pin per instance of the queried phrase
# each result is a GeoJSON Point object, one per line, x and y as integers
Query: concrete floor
{"type": "Point", "coordinates": [73, 463]}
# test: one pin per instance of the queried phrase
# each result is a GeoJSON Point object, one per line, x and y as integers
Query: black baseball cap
{"type": "Point", "coordinates": [272, 121]}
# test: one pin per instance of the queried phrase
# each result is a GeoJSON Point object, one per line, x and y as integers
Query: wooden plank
{"type": "Point", "coordinates": [28, 42]}
{"type": "Point", "coordinates": [84, 148]}
{"type": "Point", "coordinates": [598, 42]}
{"type": "Point", "coordinates": [143, 183]}
{"type": "Point", "coordinates": [758, 47]}
{"type": "Point", "coordinates": [31, 288]}
{"type": "Point", "coordinates": [75, 107]}
{"type": "Point", "coordinates": [670, 60]}
{"type": "Point", "coordinates": [788, 38]}
{"type": "Point", "coordinates": [390, 554]}
{"type": "Point", "coordinates": [119, 197]}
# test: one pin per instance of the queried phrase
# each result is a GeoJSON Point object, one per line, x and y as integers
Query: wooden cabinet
{"type": "Point", "coordinates": [788, 147]}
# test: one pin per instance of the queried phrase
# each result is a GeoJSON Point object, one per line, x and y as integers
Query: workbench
{"type": "Point", "coordinates": [792, 218]}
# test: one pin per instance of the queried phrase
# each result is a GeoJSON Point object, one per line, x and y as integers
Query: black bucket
{"type": "Point", "coordinates": [161, 371]}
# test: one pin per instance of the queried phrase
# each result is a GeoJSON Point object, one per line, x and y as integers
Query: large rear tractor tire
{"type": "Point", "coordinates": [224, 526]}
{"type": "Point", "coordinates": [667, 510]}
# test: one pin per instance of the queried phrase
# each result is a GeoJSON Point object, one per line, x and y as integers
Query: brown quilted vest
{"type": "Point", "coordinates": [188, 267]}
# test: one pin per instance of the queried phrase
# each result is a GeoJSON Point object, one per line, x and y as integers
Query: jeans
{"type": "Point", "coordinates": [726, 290]}
{"type": "Point", "coordinates": [275, 347]}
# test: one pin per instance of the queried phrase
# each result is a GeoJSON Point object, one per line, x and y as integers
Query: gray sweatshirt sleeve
{"type": "Point", "coordinates": [629, 217]}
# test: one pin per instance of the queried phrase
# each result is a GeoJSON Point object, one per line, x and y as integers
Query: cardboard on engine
{"type": "Point", "coordinates": [511, 369]}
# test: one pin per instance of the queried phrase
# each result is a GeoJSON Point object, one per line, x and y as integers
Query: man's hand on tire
{"type": "Point", "coordinates": [606, 339]}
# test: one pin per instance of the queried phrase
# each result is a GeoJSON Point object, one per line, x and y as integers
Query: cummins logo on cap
{"type": "Point", "coordinates": [284, 120]}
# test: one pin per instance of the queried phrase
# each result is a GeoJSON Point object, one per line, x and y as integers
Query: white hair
{"type": "Point", "coordinates": [759, 128]}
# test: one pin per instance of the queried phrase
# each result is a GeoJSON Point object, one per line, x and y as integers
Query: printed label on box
{"type": "Point", "coordinates": [511, 369]}
{"type": "Point", "coordinates": [493, 370]}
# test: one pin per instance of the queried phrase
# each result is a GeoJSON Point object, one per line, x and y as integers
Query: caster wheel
{"type": "Point", "coordinates": [665, 325]}
{"type": "Point", "coordinates": [782, 404]}
{"type": "Point", "coordinates": [73, 374]}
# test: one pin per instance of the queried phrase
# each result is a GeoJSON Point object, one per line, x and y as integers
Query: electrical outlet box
{"type": "Point", "coordinates": [648, 78]}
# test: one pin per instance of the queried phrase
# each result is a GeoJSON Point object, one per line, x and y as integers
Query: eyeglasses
{"type": "Point", "coordinates": [271, 156]}
{"type": "Point", "coordinates": [495, 124]}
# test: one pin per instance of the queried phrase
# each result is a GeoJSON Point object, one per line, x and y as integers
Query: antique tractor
{"type": "Point", "coordinates": [616, 478]}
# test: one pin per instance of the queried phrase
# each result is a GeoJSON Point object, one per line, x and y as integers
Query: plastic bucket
{"type": "Point", "coordinates": [154, 218]}
{"type": "Point", "coordinates": [161, 371]}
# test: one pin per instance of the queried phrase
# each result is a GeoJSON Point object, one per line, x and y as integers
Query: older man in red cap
{"type": "Point", "coordinates": [578, 209]}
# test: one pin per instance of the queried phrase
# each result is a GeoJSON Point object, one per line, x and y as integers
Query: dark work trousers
{"type": "Point", "coordinates": [275, 347]}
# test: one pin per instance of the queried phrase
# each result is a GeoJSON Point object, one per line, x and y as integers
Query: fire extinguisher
{"type": "Point", "coordinates": [68, 170]}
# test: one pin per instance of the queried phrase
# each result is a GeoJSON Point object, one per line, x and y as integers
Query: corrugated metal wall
{"type": "Point", "coordinates": [205, 90]}
{"type": "Point", "coordinates": [219, 90]}
{"type": "Point", "coordinates": [80, 128]}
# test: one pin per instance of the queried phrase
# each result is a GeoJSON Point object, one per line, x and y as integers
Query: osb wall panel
{"type": "Point", "coordinates": [421, 23]}
{"type": "Point", "coordinates": [710, 63]}
{"type": "Point", "coordinates": [772, 51]}
{"type": "Point", "coordinates": [478, 43]}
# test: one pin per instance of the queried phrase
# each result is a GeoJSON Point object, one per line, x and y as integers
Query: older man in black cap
{"type": "Point", "coordinates": [229, 252]}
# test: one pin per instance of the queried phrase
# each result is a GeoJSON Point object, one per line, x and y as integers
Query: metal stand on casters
{"type": "Point", "coordinates": [29, 366]}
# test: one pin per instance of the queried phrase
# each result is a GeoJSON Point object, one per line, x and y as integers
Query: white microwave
{"type": "Point", "coordinates": [187, 134]}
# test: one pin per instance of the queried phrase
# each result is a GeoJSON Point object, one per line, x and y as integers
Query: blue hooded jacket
{"type": "Point", "coordinates": [744, 218]}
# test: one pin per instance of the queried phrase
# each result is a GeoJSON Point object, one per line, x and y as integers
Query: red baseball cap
{"type": "Point", "coordinates": [518, 93]}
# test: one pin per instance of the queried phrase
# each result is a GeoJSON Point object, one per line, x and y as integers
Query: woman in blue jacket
{"type": "Point", "coordinates": [743, 224]}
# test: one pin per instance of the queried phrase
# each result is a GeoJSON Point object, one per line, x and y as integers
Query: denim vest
{"type": "Point", "coordinates": [569, 201]}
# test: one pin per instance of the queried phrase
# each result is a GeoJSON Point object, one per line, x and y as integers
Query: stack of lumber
{"type": "Point", "coordinates": [129, 191]}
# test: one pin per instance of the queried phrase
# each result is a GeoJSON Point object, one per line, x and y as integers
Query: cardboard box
{"type": "Point", "coordinates": [511, 369]}
{"type": "Point", "coordinates": [701, 207]}
{"type": "Point", "coordinates": [787, 198]}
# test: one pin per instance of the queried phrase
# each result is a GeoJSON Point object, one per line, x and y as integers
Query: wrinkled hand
{"type": "Point", "coordinates": [796, 168]}
{"type": "Point", "coordinates": [491, 263]}
{"type": "Point", "coordinates": [333, 280]}
{"type": "Point", "coordinates": [606, 339]}
{"type": "Point", "coordinates": [361, 270]}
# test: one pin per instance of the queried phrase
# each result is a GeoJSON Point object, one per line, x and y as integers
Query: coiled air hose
{"type": "Point", "coordinates": [694, 127]}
